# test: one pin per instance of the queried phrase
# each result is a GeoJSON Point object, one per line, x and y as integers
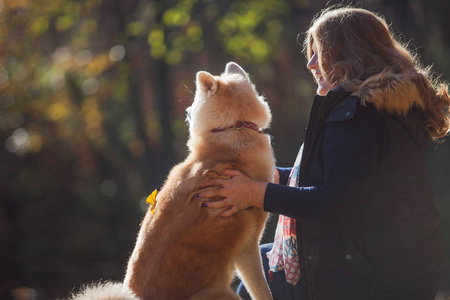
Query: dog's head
{"type": "Point", "coordinates": [221, 101]}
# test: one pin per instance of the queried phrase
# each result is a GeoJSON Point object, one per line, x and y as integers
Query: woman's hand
{"type": "Point", "coordinates": [238, 193]}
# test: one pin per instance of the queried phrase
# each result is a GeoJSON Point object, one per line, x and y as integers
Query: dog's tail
{"type": "Point", "coordinates": [104, 291]}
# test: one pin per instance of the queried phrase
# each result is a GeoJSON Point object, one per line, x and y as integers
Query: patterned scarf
{"type": "Point", "coordinates": [284, 254]}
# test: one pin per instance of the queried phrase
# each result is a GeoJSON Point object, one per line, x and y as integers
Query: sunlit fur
{"type": "Point", "coordinates": [186, 251]}
{"type": "Point", "coordinates": [358, 50]}
{"type": "Point", "coordinates": [104, 291]}
{"type": "Point", "coordinates": [234, 98]}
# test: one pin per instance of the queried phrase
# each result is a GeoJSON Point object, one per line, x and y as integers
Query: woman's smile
{"type": "Point", "coordinates": [323, 86]}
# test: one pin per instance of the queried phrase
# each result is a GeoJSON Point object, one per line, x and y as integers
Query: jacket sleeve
{"type": "Point", "coordinates": [284, 175]}
{"type": "Point", "coordinates": [351, 151]}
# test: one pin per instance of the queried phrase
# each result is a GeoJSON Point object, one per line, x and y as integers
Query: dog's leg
{"type": "Point", "coordinates": [216, 294]}
{"type": "Point", "coordinates": [249, 266]}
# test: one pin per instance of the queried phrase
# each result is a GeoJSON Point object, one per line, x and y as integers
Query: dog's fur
{"type": "Point", "coordinates": [187, 251]}
{"type": "Point", "coordinates": [105, 291]}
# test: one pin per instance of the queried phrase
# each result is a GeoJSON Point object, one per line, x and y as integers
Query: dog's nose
{"type": "Point", "coordinates": [188, 113]}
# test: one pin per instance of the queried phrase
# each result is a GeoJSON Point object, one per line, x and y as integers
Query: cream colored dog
{"type": "Point", "coordinates": [186, 251]}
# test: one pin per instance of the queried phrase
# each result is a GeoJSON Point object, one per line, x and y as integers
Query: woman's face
{"type": "Point", "coordinates": [323, 86]}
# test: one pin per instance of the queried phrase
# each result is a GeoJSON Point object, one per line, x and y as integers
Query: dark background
{"type": "Point", "coordinates": [92, 100]}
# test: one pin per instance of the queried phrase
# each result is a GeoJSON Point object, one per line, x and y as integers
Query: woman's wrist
{"type": "Point", "coordinates": [260, 194]}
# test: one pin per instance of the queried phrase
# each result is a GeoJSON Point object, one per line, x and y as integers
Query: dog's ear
{"type": "Point", "coordinates": [234, 68]}
{"type": "Point", "coordinates": [206, 82]}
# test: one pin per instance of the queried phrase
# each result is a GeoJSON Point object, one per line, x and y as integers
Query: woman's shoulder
{"type": "Point", "coordinates": [345, 110]}
{"type": "Point", "coordinates": [354, 119]}
{"type": "Point", "coordinates": [352, 107]}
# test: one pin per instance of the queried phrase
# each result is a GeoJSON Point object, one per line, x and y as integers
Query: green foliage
{"type": "Point", "coordinates": [251, 28]}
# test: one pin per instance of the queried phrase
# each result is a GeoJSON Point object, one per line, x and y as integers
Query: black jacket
{"type": "Point", "coordinates": [366, 223]}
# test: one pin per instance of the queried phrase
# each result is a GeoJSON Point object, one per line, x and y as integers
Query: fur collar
{"type": "Point", "coordinates": [393, 93]}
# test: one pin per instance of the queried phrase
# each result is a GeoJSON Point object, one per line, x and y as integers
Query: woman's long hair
{"type": "Point", "coordinates": [356, 49]}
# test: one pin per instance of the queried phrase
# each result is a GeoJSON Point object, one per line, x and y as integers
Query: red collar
{"type": "Point", "coordinates": [239, 125]}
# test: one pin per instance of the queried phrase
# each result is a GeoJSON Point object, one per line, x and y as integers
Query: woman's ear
{"type": "Point", "coordinates": [206, 82]}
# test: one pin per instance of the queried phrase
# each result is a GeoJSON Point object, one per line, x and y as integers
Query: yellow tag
{"type": "Point", "coordinates": [152, 200]}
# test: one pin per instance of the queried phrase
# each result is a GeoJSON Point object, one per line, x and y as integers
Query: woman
{"type": "Point", "coordinates": [359, 206]}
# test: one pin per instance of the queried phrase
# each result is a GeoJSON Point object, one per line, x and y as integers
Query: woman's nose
{"type": "Point", "coordinates": [312, 63]}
